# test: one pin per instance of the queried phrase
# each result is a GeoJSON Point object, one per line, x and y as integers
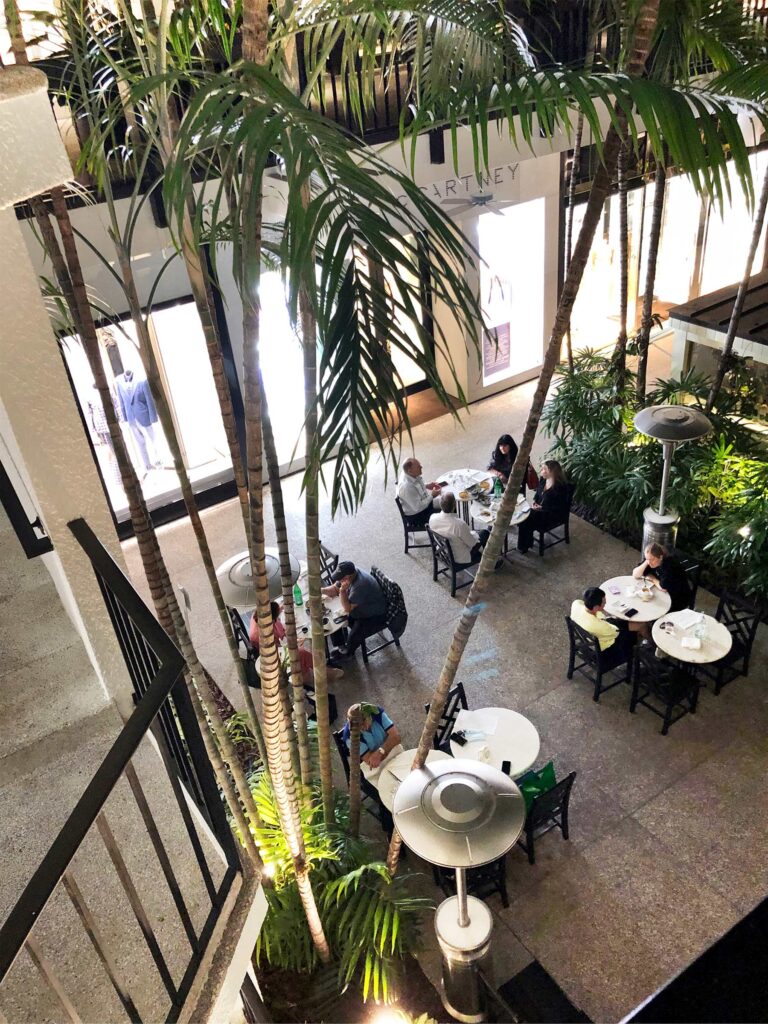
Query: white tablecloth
{"type": "Point", "coordinates": [508, 736]}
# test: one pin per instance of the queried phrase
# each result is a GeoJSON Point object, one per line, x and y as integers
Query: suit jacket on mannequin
{"type": "Point", "coordinates": [135, 398]}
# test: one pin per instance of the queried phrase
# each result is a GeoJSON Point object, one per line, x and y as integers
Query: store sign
{"type": "Point", "coordinates": [466, 185]}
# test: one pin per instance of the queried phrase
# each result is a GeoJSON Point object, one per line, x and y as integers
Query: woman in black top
{"type": "Point", "coordinates": [550, 504]}
{"type": "Point", "coordinates": [664, 570]}
{"type": "Point", "coordinates": [503, 457]}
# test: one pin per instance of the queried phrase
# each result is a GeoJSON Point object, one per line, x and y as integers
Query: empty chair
{"type": "Point", "coordinates": [444, 564]}
{"type": "Point", "coordinates": [666, 688]}
{"type": "Point", "coordinates": [396, 614]}
{"type": "Point", "coordinates": [410, 528]}
{"type": "Point", "coordinates": [370, 794]}
{"type": "Point", "coordinates": [741, 618]}
{"type": "Point", "coordinates": [547, 811]}
{"type": "Point", "coordinates": [328, 565]}
{"type": "Point", "coordinates": [482, 882]}
{"type": "Point", "coordinates": [240, 630]}
{"type": "Point", "coordinates": [585, 646]}
{"type": "Point", "coordinates": [455, 701]}
{"type": "Point", "coordinates": [692, 569]}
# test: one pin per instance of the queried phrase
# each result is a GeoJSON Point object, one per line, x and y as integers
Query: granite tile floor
{"type": "Point", "coordinates": [668, 846]}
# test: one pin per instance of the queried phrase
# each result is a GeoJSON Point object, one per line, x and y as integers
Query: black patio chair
{"type": "Point", "coordinates": [444, 564]}
{"type": "Point", "coordinates": [563, 524]}
{"type": "Point", "coordinates": [547, 811]}
{"type": "Point", "coordinates": [692, 569]}
{"type": "Point", "coordinates": [240, 631]}
{"type": "Point", "coordinates": [410, 528]}
{"type": "Point", "coordinates": [741, 618]}
{"type": "Point", "coordinates": [397, 615]}
{"type": "Point", "coordinates": [370, 794]}
{"type": "Point", "coordinates": [482, 882]}
{"type": "Point", "coordinates": [592, 665]}
{"type": "Point", "coordinates": [328, 565]}
{"type": "Point", "coordinates": [455, 701]}
{"type": "Point", "coordinates": [666, 688]}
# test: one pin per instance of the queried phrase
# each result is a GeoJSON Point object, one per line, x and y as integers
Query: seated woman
{"type": "Point", "coordinates": [665, 572]}
{"type": "Point", "coordinates": [550, 504]}
{"type": "Point", "coordinates": [379, 738]}
{"type": "Point", "coordinates": [305, 656]}
{"type": "Point", "coordinates": [503, 457]}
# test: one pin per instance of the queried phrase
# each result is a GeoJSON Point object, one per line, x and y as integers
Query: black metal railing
{"type": "Point", "coordinates": [31, 532]}
{"type": "Point", "coordinates": [61, 869]}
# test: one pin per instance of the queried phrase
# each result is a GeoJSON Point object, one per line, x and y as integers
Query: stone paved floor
{"type": "Point", "coordinates": [668, 845]}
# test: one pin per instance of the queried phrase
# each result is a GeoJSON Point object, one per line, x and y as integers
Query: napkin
{"type": "Point", "coordinates": [687, 617]}
{"type": "Point", "coordinates": [476, 721]}
{"type": "Point", "coordinates": [692, 642]}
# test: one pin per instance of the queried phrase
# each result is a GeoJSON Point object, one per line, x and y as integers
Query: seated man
{"type": "Point", "coordinates": [305, 655]}
{"type": "Point", "coordinates": [418, 499]}
{"type": "Point", "coordinates": [363, 601]}
{"type": "Point", "coordinates": [615, 636]}
{"type": "Point", "coordinates": [379, 738]}
{"type": "Point", "coordinates": [467, 546]}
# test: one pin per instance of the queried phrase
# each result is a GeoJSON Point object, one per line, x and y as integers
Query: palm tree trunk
{"type": "Point", "coordinates": [620, 352]}
{"type": "Point", "coordinates": [281, 530]}
{"type": "Point", "coordinates": [646, 321]}
{"type": "Point", "coordinates": [741, 294]}
{"type": "Point", "coordinates": [575, 167]}
{"type": "Point", "coordinates": [601, 183]}
{"type": "Point", "coordinates": [355, 726]}
{"type": "Point", "coordinates": [69, 275]}
{"type": "Point", "coordinates": [312, 526]}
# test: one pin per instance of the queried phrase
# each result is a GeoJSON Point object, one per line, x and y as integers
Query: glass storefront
{"type": "Point", "coordinates": [179, 347]}
{"type": "Point", "coordinates": [511, 244]}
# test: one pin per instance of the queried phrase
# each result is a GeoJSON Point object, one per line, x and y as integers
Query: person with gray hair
{"type": "Point", "coordinates": [418, 499]}
{"type": "Point", "coordinates": [467, 546]}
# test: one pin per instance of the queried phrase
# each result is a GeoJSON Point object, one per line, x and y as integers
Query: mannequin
{"type": "Point", "coordinates": [138, 410]}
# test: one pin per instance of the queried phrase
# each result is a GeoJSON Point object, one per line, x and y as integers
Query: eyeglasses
{"type": "Point", "coordinates": [667, 627]}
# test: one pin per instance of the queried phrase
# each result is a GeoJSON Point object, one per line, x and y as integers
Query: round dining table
{"type": "Point", "coordinates": [506, 736]}
{"type": "Point", "coordinates": [475, 513]}
{"type": "Point", "coordinates": [622, 592]}
{"type": "Point", "coordinates": [715, 643]}
{"type": "Point", "coordinates": [396, 769]}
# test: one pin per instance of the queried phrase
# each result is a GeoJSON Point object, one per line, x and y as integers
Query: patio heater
{"type": "Point", "coordinates": [672, 425]}
{"type": "Point", "coordinates": [460, 814]}
{"type": "Point", "coordinates": [236, 579]}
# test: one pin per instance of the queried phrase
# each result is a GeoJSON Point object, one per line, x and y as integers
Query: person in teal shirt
{"type": "Point", "coordinates": [379, 736]}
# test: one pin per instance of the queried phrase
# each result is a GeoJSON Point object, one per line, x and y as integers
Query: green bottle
{"type": "Point", "coordinates": [497, 488]}
{"type": "Point", "coordinates": [298, 600]}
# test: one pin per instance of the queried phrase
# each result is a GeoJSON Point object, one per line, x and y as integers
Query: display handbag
{"type": "Point", "coordinates": [531, 477]}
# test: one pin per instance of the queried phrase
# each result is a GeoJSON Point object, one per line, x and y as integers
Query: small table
{"type": "Point", "coordinates": [387, 780]}
{"type": "Point", "coordinates": [510, 737]}
{"type": "Point", "coordinates": [473, 512]}
{"type": "Point", "coordinates": [647, 611]}
{"type": "Point", "coordinates": [716, 643]}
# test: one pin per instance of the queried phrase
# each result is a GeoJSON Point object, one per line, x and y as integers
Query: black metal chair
{"type": "Point", "coordinates": [563, 524]}
{"type": "Point", "coordinates": [549, 810]}
{"type": "Point", "coordinates": [741, 618]}
{"type": "Point", "coordinates": [444, 564]}
{"type": "Point", "coordinates": [592, 665]}
{"type": "Point", "coordinates": [481, 882]}
{"type": "Point", "coordinates": [370, 794]}
{"type": "Point", "coordinates": [240, 631]}
{"type": "Point", "coordinates": [666, 688]}
{"type": "Point", "coordinates": [410, 528]}
{"type": "Point", "coordinates": [692, 569]}
{"type": "Point", "coordinates": [328, 565]}
{"type": "Point", "coordinates": [397, 615]}
{"type": "Point", "coordinates": [455, 701]}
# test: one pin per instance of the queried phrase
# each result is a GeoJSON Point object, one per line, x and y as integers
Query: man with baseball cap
{"type": "Point", "coordinates": [363, 601]}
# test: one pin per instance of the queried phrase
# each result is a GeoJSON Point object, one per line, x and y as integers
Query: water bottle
{"type": "Point", "coordinates": [298, 600]}
{"type": "Point", "coordinates": [497, 488]}
{"type": "Point", "coordinates": [700, 629]}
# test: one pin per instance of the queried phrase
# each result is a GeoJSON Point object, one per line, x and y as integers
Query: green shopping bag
{"type": "Point", "coordinates": [534, 783]}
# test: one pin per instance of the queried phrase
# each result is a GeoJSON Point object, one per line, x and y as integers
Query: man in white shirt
{"type": "Point", "coordinates": [418, 499]}
{"type": "Point", "coordinates": [467, 546]}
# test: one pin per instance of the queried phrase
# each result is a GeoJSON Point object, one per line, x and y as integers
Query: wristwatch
{"type": "Point", "coordinates": [382, 751]}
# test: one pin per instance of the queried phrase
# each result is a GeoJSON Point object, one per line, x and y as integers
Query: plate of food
{"type": "Point", "coordinates": [484, 485]}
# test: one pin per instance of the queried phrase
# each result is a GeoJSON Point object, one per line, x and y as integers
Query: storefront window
{"type": "Point", "coordinates": [179, 347]}
{"type": "Point", "coordinates": [512, 289]}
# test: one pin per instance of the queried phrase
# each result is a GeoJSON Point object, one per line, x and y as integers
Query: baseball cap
{"type": "Point", "coordinates": [343, 569]}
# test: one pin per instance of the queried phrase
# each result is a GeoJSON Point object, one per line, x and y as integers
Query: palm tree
{"type": "Point", "coordinates": [620, 353]}
{"type": "Point", "coordinates": [741, 294]}
{"type": "Point", "coordinates": [654, 238]}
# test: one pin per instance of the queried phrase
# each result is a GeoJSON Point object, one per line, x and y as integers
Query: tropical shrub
{"type": "Point", "coordinates": [718, 484]}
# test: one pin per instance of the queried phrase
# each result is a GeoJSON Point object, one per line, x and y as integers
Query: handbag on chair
{"type": "Point", "coordinates": [531, 477]}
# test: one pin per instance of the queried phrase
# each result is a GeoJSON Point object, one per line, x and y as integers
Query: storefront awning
{"type": "Point", "coordinates": [713, 311]}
